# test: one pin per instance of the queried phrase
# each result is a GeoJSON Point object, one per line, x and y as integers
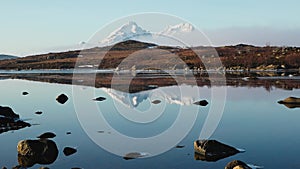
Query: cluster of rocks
{"type": "Point", "coordinates": [9, 120]}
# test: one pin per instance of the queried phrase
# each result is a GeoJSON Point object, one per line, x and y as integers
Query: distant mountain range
{"type": "Point", "coordinates": [132, 31]}
{"type": "Point", "coordinates": [3, 57]}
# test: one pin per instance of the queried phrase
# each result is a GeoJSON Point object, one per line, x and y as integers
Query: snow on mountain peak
{"type": "Point", "coordinates": [132, 31]}
{"type": "Point", "coordinates": [180, 28]}
{"type": "Point", "coordinates": [125, 32]}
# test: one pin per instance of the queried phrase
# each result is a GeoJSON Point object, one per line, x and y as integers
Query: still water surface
{"type": "Point", "coordinates": [252, 120]}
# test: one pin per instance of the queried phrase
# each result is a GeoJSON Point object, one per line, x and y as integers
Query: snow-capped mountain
{"type": "Point", "coordinates": [168, 36]}
{"type": "Point", "coordinates": [127, 31]}
{"type": "Point", "coordinates": [180, 28]}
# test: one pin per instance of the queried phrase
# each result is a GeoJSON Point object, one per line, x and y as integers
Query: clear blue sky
{"type": "Point", "coordinates": [32, 26]}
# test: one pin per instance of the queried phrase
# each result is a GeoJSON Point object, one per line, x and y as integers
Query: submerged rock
{"type": "Point", "coordinates": [31, 152]}
{"type": "Point", "coordinates": [236, 164]}
{"type": "Point", "coordinates": [99, 99]}
{"type": "Point", "coordinates": [47, 135]}
{"type": "Point", "coordinates": [62, 99]}
{"type": "Point", "coordinates": [201, 103]}
{"type": "Point", "coordinates": [69, 151]}
{"type": "Point", "coordinates": [212, 150]}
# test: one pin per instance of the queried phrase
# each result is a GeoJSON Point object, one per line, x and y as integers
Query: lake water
{"type": "Point", "coordinates": [251, 120]}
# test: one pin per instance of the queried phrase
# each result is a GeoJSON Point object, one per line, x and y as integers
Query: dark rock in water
{"type": "Point", "coordinates": [38, 112]}
{"type": "Point", "coordinates": [8, 124]}
{"type": "Point", "coordinates": [212, 150]}
{"type": "Point", "coordinates": [25, 93]}
{"type": "Point", "coordinates": [31, 152]}
{"type": "Point", "coordinates": [8, 112]}
{"type": "Point", "coordinates": [236, 164]}
{"type": "Point", "coordinates": [134, 155]}
{"type": "Point", "coordinates": [10, 121]}
{"type": "Point", "coordinates": [201, 103]}
{"type": "Point", "coordinates": [69, 151]}
{"type": "Point", "coordinates": [179, 146]}
{"type": "Point", "coordinates": [156, 101]}
{"type": "Point", "coordinates": [47, 135]}
{"type": "Point", "coordinates": [100, 99]}
{"type": "Point", "coordinates": [68, 132]}
{"type": "Point", "coordinates": [291, 102]}
{"type": "Point", "coordinates": [62, 98]}
{"type": "Point", "coordinates": [4, 168]}
{"type": "Point", "coordinates": [43, 168]}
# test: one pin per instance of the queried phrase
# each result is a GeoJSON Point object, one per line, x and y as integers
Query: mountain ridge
{"type": "Point", "coordinates": [4, 57]}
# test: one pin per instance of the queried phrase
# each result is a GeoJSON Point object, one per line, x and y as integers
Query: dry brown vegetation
{"type": "Point", "coordinates": [149, 56]}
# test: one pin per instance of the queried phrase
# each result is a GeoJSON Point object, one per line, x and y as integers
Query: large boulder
{"type": "Point", "coordinates": [212, 150]}
{"type": "Point", "coordinates": [291, 102]}
{"type": "Point", "coordinates": [8, 112]}
{"type": "Point", "coordinates": [31, 152]}
{"type": "Point", "coordinates": [236, 164]}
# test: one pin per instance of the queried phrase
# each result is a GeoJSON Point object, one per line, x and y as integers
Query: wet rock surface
{"type": "Point", "coordinates": [31, 152]}
{"type": "Point", "coordinates": [62, 98]}
{"type": "Point", "coordinates": [212, 150]}
{"type": "Point", "coordinates": [236, 164]}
